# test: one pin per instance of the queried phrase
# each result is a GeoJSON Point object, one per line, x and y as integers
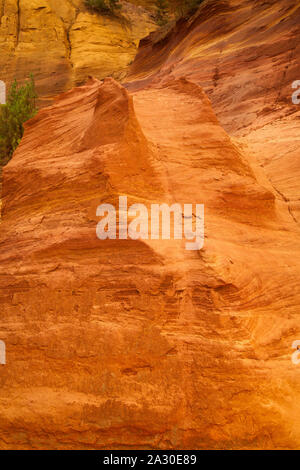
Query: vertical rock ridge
{"type": "Point", "coordinates": [141, 343]}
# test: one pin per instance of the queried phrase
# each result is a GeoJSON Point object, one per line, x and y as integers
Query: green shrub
{"type": "Point", "coordinates": [162, 10]}
{"type": "Point", "coordinates": [19, 108]}
{"type": "Point", "coordinates": [188, 7]}
{"type": "Point", "coordinates": [103, 6]}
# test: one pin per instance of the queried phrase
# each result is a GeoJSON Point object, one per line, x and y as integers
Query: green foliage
{"type": "Point", "coordinates": [188, 7]}
{"type": "Point", "coordinates": [162, 10]}
{"type": "Point", "coordinates": [104, 6]}
{"type": "Point", "coordinates": [19, 108]}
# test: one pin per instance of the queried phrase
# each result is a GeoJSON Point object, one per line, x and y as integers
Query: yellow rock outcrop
{"type": "Point", "coordinates": [62, 43]}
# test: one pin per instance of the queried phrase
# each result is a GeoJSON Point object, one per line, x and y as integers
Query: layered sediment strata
{"type": "Point", "coordinates": [245, 55]}
{"type": "Point", "coordinates": [126, 344]}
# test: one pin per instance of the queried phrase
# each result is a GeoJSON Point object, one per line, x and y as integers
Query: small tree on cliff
{"type": "Point", "coordinates": [103, 6]}
{"type": "Point", "coordinates": [188, 7]}
{"type": "Point", "coordinates": [162, 9]}
{"type": "Point", "coordinates": [115, 4]}
{"type": "Point", "coordinates": [19, 108]}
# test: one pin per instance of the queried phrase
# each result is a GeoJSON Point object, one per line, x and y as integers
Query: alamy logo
{"type": "Point", "coordinates": [296, 94]}
{"type": "Point", "coordinates": [2, 92]}
{"type": "Point", "coordinates": [2, 352]}
{"type": "Point", "coordinates": [134, 222]}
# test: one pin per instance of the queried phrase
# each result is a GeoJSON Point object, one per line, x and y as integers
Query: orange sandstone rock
{"type": "Point", "coordinates": [141, 344]}
{"type": "Point", "coordinates": [245, 55]}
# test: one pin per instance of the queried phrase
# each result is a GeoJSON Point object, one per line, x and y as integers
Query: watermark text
{"type": "Point", "coordinates": [162, 223]}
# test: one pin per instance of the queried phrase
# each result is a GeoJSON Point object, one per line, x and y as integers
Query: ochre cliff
{"type": "Point", "coordinates": [62, 43]}
{"type": "Point", "coordinates": [246, 56]}
{"type": "Point", "coordinates": [142, 344]}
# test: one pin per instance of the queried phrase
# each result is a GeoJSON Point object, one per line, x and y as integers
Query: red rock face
{"type": "Point", "coordinates": [122, 344]}
{"type": "Point", "coordinates": [244, 54]}
{"type": "Point", "coordinates": [246, 57]}
{"type": "Point", "coordinates": [114, 344]}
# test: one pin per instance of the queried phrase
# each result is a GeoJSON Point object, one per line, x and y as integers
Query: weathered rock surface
{"type": "Point", "coordinates": [142, 344]}
{"type": "Point", "coordinates": [245, 55]}
{"type": "Point", "coordinates": [62, 43]}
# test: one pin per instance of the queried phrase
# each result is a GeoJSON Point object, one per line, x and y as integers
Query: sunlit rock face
{"type": "Point", "coordinates": [143, 344]}
{"type": "Point", "coordinates": [245, 55]}
{"type": "Point", "coordinates": [62, 42]}
{"type": "Point", "coordinates": [123, 344]}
